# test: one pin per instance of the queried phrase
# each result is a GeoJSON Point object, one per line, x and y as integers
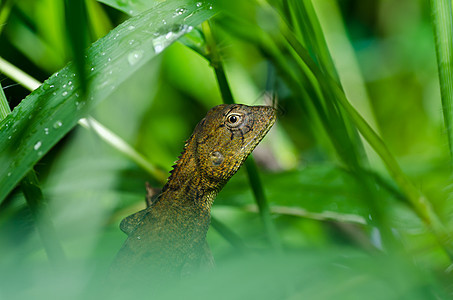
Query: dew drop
{"type": "Point", "coordinates": [9, 174]}
{"type": "Point", "coordinates": [179, 11]}
{"type": "Point", "coordinates": [131, 27]}
{"type": "Point", "coordinates": [199, 4]}
{"type": "Point", "coordinates": [46, 130]}
{"type": "Point", "coordinates": [64, 94]}
{"type": "Point", "coordinates": [37, 145]}
{"type": "Point", "coordinates": [134, 57]}
{"type": "Point", "coordinates": [160, 42]}
{"type": "Point", "coordinates": [57, 124]}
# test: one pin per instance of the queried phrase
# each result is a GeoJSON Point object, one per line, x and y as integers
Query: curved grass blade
{"type": "Point", "coordinates": [47, 114]}
{"type": "Point", "coordinates": [442, 19]}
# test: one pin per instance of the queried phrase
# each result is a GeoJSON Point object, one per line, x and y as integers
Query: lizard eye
{"type": "Point", "coordinates": [234, 120]}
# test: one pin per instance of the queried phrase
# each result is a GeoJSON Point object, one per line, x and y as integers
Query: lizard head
{"type": "Point", "coordinates": [226, 137]}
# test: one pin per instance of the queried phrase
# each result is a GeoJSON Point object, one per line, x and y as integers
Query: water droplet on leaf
{"type": "Point", "coordinates": [37, 145]}
{"type": "Point", "coordinates": [57, 124]}
{"type": "Point", "coordinates": [134, 57]}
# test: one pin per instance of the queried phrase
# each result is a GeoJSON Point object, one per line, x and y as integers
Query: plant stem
{"type": "Point", "coordinates": [250, 165]}
{"type": "Point", "coordinates": [227, 234]}
{"type": "Point", "coordinates": [18, 75]}
{"type": "Point", "coordinates": [38, 207]}
{"type": "Point", "coordinates": [442, 21]}
{"type": "Point", "coordinates": [122, 146]}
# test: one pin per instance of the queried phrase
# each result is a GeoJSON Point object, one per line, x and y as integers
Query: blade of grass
{"type": "Point", "coordinates": [5, 9]}
{"type": "Point", "coordinates": [344, 58]}
{"type": "Point", "coordinates": [36, 203]}
{"type": "Point", "coordinates": [53, 109]}
{"type": "Point", "coordinates": [442, 22]}
{"type": "Point", "coordinates": [100, 23]}
{"type": "Point", "coordinates": [4, 106]}
{"type": "Point", "coordinates": [250, 165]}
{"type": "Point", "coordinates": [77, 37]}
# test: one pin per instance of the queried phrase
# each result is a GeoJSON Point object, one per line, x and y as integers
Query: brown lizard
{"type": "Point", "coordinates": [168, 238]}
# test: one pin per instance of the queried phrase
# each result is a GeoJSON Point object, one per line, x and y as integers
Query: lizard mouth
{"type": "Point", "coordinates": [270, 115]}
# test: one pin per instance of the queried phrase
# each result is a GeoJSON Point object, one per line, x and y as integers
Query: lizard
{"type": "Point", "coordinates": [168, 238]}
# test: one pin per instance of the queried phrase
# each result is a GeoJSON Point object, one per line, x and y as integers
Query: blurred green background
{"type": "Point", "coordinates": [346, 228]}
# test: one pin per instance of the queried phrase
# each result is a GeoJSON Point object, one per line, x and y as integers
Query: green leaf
{"type": "Point", "coordinates": [48, 113]}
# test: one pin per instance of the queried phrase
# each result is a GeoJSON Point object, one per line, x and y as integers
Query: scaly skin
{"type": "Point", "coordinates": [169, 237]}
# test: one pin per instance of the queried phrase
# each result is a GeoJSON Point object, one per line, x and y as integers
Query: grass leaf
{"type": "Point", "coordinates": [442, 19]}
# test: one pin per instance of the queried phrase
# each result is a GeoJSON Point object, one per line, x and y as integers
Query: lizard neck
{"type": "Point", "coordinates": [186, 185]}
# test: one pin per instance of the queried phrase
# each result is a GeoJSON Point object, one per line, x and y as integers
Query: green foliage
{"type": "Point", "coordinates": [358, 96]}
